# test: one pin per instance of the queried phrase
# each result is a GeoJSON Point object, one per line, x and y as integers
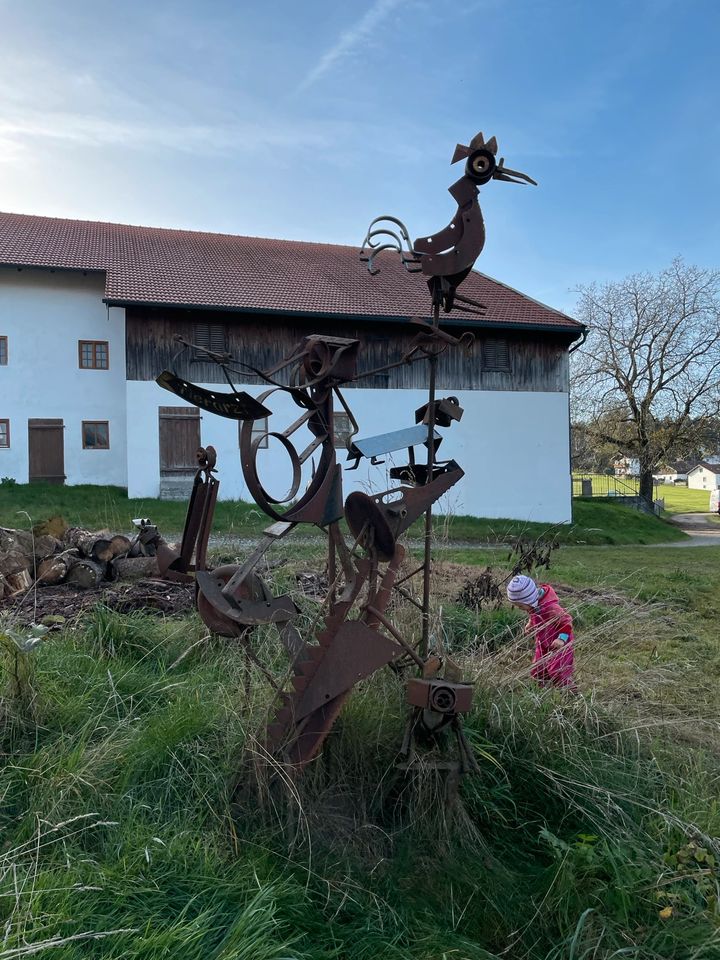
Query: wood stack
{"type": "Point", "coordinates": [83, 558]}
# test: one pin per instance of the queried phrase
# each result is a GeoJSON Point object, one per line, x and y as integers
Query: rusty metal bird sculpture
{"type": "Point", "coordinates": [447, 257]}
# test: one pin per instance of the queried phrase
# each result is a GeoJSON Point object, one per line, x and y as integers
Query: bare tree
{"type": "Point", "coordinates": [648, 375]}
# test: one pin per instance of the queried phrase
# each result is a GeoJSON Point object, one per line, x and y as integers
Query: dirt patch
{"type": "Point", "coordinates": [60, 606]}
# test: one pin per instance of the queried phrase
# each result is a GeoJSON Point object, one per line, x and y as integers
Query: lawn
{"type": "Point", "coordinates": [591, 831]}
{"type": "Point", "coordinates": [683, 500]}
{"type": "Point", "coordinates": [96, 508]}
{"type": "Point", "coordinates": [93, 507]}
{"type": "Point", "coordinates": [678, 499]}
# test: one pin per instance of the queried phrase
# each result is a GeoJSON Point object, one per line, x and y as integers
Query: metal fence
{"type": "Point", "coordinates": [599, 485]}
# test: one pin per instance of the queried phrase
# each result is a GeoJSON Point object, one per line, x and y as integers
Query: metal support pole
{"type": "Point", "coordinates": [425, 643]}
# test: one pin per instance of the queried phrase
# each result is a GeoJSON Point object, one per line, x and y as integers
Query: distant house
{"type": "Point", "coordinates": [705, 476]}
{"type": "Point", "coordinates": [89, 313]}
{"type": "Point", "coordinates": [674, 472]}
{"type": "Point", "coordinates": [627, 467]}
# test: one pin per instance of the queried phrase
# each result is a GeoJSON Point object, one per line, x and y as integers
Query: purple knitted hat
{"type": "Point", "coordinates": [522, 589]}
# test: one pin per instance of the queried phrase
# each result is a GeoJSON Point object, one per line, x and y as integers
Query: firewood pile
{"type": "Point", "coordinates": [53, 554]}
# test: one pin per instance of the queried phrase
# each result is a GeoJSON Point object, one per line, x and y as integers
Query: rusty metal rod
{"type": "Point", "coordinates": [425, 642]}
{"type": "Point", "coordinates": [409, 576]}
{"type": "Point", "coordinates": [408, 596]}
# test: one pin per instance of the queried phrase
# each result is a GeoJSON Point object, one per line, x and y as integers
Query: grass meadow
{"type": "Point", "coordinates": [93, 507]}
{"type": "Point", "coordinates": [141, 818]}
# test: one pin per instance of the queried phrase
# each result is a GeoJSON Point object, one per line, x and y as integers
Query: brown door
{"type": "Point", "coordinates": [179, 440]}
{"type": "Point", "coordinates": [46, 448]}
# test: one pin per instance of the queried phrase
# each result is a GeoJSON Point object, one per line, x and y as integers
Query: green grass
{"type": "Point", "coordinates": [683, 500]}
{"type": "Point", "coordinates": [118, 769]}
{"type": "Point", "coordinates": [96, 507]}
{"type": "Point", "coordinates": [678, 499]}
{"type": "Point", "coordinates": [595, 522]}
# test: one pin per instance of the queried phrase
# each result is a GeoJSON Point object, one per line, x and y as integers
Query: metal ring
{"type": "Point", "coordinates": [248, 452]}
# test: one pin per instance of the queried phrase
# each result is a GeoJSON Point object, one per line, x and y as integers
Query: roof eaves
{"type": "Point", "coordinates": [525, 296]}
{"type": "Point", "coordinates": [52, 268]}
{"type": "Point", "coordinates": [574, 332]}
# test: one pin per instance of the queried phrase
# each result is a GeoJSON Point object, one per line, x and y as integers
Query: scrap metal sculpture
{"type": "Point", "coordinates": [357, 636]}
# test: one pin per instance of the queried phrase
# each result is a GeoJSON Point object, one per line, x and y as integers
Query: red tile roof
{"type": "Point", "coordinates": [223, 271]}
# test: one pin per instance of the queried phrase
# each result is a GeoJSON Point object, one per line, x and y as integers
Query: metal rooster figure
{"type": "Point", "coordinates": [447, 257]}
{"type": "Point", "coordinates": [357, 634]}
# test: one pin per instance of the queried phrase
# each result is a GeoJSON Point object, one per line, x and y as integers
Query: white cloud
{"type": "Point", "coordinates": [349, 40]}
{"type": "Point", "coordinates": [88, 130]}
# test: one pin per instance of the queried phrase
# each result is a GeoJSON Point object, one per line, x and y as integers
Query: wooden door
{"type": "Point", "coordinates": [46, 451]}
{"type": "Point", "coordinates": [179, 440]}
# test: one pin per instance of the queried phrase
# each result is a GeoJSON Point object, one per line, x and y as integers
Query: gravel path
{"type": "Point", "coordinates": [702, 529]}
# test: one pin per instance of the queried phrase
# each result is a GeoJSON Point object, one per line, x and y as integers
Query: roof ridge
{"type": "Point", "coordinates": [174, 230]}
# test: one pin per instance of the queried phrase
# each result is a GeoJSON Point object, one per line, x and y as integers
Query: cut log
{"type": "Point", "coordinates": [19, 582]}
{"type": "Point", "coordinates": [55, 569]}
{"type": "Point", "coordinates": [14, 561]}
{"type": "Point", "coordinates": [85, 573]}
{"type": "Point", "coordinates": [135, 568]}
{"type": "Point", "coordinates": [92, 544]}
{"type": "Point", "coordinates": [101, 550]}
{"type": "Point", "coordinates": [22, 541]}
{"type": "Point", "coordinates": [46, 546]}
{"type": "Point", "coordinates": [119, 545]}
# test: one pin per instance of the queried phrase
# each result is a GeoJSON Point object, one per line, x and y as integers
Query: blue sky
{"type": "Point", "coordinates": [304, 121]}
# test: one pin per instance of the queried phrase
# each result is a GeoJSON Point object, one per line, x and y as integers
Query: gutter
{"type": "Point", "coordinates": [581, 341]}
{"type": "Point", "coordinates": [480, 322]}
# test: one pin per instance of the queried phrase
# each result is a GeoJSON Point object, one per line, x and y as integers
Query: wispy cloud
{"type": "Point", "coordinates": [349, 40]}
{"type": "Point", "coordinates": [94, 131]}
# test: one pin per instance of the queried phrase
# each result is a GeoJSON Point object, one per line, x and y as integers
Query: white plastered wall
{"type": "Point", "coordinates": [703, 479]}
{"type": "Point", "coordinates": [512, 446]}
{"type": "Point", "coordinates": [44, 314]}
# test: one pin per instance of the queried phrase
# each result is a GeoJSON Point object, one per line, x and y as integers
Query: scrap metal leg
{"type": "Point", "coordinates": [425, 642]}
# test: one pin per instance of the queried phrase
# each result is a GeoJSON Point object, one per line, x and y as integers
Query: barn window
{"type": "Point", "coordinates": [259, 430]}
{"type": "Point", "coordinates": [4, 433]}
{"type": "Point", "coordinates": [3, 351]}
{"type": "Point", "coordinates": [96, 435]}
{"type": "Point", "coordinates": [342, 428]}
{"type": "Point", "coordinates": [93, 354]}
{"type": "Point", "coordinates": [209, 336]}
{"type": "Point", "coordinates": [496, 355]}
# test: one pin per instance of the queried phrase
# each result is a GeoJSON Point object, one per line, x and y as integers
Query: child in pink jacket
{"type": "Point", "coordinates": [553, 663]}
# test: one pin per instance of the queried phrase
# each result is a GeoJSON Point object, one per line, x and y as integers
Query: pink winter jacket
{"type": "Point", "coordinates": [551, 667]}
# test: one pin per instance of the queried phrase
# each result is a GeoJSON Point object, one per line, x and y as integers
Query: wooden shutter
{"type": "Point", "coordinates": [496, 355]}
{"type": "Point", "coordinates": [179, 439]}
{"type": "Point", "coordinates": [210, 336]}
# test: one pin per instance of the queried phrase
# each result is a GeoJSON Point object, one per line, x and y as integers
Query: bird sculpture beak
{"type": "Point", "coordinates": [512, 176]}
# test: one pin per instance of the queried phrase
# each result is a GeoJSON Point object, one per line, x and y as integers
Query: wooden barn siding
{"type": "Point", "coordinates": [538, 362]}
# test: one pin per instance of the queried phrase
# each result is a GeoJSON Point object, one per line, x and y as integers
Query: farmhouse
{"type": "Point", "coordinates": [88, 316]}
{"type": "Point", "coordinates": [705, 476]}
{"type": "Point", "coordinates": [675, 471]}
